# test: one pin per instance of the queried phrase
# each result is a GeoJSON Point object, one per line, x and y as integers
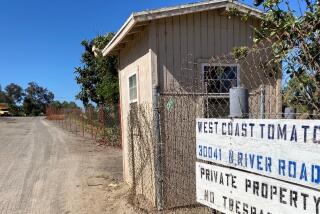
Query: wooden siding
{"type": "Point", "coordinates": [136, 58]}
{"type": "Point", "coordinates": [169, 52]}
{"type": "Point", "coordinates": [183, 42]}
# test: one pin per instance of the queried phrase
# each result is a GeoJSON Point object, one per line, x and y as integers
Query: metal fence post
{"type": "Point", "coordinates": [82, 122]}
{"type": "Point", "coordinates": [262, 102]}
{"type": "Point", "coordinates": [239, 107]}
{"type": "Point", "coordinates": [76, 121]}
{"type": "Point", "coordinates": [132, 150]}
{"type": "Point", "coordinates": [119, 123]}
{"type": "Point", "coordinates": [158, 148]}
{"type": "Point", "coordinates": [70, 121]}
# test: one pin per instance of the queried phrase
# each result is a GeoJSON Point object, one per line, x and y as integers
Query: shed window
{"type": "Point", "coordinates": [133, 88]}
{"type": "Point", "coordinates": [217, 81]}
{"type": "Point", "coordinates": [220, 79]}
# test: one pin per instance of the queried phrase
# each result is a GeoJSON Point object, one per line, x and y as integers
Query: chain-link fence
{"type": "Point", "coordinates": [102, 124]}
{"type": "Point", "coordinates": [163, 167]}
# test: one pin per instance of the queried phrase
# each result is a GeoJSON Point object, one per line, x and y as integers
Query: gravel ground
{"type": "Point", "coordinates": [44, 169]}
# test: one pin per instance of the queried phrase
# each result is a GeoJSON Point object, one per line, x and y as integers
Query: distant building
{"type": "Point", "coordinates": [4, 109]}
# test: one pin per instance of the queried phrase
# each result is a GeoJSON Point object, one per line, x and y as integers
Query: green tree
{"type": "Point", "coordinates": [299, 93]}
{"type": "Point", "coordinates": [36, 99]}
{"type": "Point", "coordinates": [71, 104]}
{"type": "Point", "coordinates": [3, 96]}
{"type": "Point", "coordinates": [14, 93]}
{"type": "Point", "coordinates": [97, 76]}
{"type": "Point", "coordinates": [64, 105]}
{"type": "Point", "coordinates": [295, 37]}
{"type": "Point", "coordinates": [56, 104]}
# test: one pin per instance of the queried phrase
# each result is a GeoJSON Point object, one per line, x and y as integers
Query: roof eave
{"type": "Point", "coordinates": [128, 25]}
{"type": "Point", "coordinates": [247, 9]}
{"type": "Point", "coordinates": [174, 11]}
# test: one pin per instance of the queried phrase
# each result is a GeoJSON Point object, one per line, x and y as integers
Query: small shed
{"type": "Point", "coordinates": [154, 47]}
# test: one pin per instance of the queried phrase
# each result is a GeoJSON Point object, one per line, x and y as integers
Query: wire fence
{"type": "Point", "coordinates": [162, 168]}
{"type": "Point", "coordinates": [100, 124]}
{"type": "Point", "coordinates": [161, 142]}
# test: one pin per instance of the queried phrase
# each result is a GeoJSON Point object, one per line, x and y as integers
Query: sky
{"type": "Point", "coordinates": [40, 39]}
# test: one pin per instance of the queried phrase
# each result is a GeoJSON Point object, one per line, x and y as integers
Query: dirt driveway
{"type": "Point", "coordinates": [44, 169]}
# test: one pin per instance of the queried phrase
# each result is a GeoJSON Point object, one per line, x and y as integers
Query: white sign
{"type": "Point", "coordinates": [288, 150]}
{"type": "Point", "coordinates": [233, 191]}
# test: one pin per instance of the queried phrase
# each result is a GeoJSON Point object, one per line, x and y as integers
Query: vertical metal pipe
{"type": "Point", "coordinates": [76, 121]}
{"type": "Point", "coordinates": [131, 140]}
{"type": "Point", "coordinates": [262, 102]}
{"type": "Point", "coordinates": [91, 123]}
{"type": "Point", "coordinates": [70, 121]}
{"type": "Point", "coordinates": [158, 148]}
{"type": "Point", "coordinates": [120, 124]}
{"type": "Point", "coordinates": [82, 122]}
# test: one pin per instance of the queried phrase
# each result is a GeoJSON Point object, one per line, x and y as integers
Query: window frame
{"type": "Point", "coordinates": [208, 96]}
{"type": "Point", "coordinates": [137, 91]}
{"type": "Point", "coordinates": [203, 65]}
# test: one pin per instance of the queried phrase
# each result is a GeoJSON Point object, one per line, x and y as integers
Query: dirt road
{"type": "Point", "coordinates": [44, 169]}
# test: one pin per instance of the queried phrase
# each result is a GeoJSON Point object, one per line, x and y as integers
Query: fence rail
{"type": "Point", "coordinates": [102, 125]}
